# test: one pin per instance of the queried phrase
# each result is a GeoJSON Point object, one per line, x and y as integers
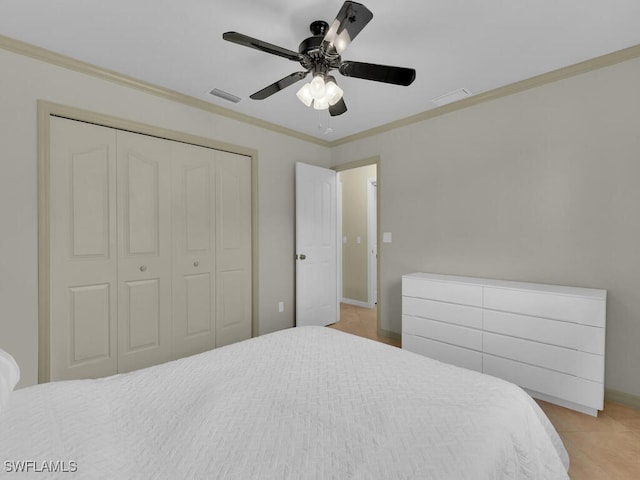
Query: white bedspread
{"type": "Point", "coordinates": [301, 403]}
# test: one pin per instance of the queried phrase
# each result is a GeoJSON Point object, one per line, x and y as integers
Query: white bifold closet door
{"type": "Point", "coordinates": [150, 249]}
{"type": "Point", "coordinates": [233, 249]}
{"type": "Point", "coordinates": [144, 251]}
{"type": "Point", "coordinates": [194, 286]}
{"type": "Point", "coordinates": [83, 300]}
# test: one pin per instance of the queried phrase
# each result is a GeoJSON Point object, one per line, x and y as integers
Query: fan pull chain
{"type": "Point", "coordinates": [328, 129]}
{"type": "Point", "coordinates": [321, 126]}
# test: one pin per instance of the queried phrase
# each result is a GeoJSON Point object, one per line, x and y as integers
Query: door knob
{"type": "Point", "coordinates": [302, 256]}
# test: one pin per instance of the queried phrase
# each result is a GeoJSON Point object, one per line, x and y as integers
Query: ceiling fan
{"type": "Point", "coordinates": [320, 54]}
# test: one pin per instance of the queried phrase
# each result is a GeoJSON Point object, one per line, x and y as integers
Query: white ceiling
{"type": "Point", "coordinates": [452, 44]}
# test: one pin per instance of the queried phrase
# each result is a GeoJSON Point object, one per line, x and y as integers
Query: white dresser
{"type": "Point", "coordinates": [548, 339]}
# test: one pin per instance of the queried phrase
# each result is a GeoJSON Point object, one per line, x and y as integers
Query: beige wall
{"type": "Point", "coordinates": [355, 267]}
{"type": "Point", "coordinates": [539, 186]}
{"type": "Point", "coordinates": [25, 80]}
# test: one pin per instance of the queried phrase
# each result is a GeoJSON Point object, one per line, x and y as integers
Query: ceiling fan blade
{"type": "Point", "coordinates": [251, 42]}
{"type": "Point", "coordinates": [379, 73]}
{"type": "Point", "coordinates": [338, 109]}
{"type": "Point", "coordinates": [351, 19]}
{"type": "Point", "coordinates": [279, 85]}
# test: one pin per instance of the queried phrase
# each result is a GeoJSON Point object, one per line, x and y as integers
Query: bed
{"type": "Point", "coordinates": [307, 402]}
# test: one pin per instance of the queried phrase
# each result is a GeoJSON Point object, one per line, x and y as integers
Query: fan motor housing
{"type": "Point", "coordinates": [311, 44]}
{"type": "Point", "coordinates": [316, 57]}
{"type": "Point", "coordinates": [319, 28]}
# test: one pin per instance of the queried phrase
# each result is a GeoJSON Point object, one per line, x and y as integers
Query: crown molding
{"type": "Point", "coordinates": [533, 82]}
{"type": "Point", "coordinates": [39, 53]}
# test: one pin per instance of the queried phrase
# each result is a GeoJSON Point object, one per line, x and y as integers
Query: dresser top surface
{"type": "Point", "coordinates": [594, 293]}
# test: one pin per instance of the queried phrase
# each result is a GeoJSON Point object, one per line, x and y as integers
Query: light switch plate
{"type": "Point", "coordinates": [386, 237]}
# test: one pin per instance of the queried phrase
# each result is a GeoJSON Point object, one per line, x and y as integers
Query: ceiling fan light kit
{"type": "Point", "coordinates": [321, 92]}
{"type": "Point", "coordinates": [320, 54]}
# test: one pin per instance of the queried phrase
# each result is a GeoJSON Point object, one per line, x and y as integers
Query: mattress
{"type": "Point", "coordinates": [301, 403]}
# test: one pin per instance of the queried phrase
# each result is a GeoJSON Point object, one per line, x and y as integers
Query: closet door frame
{"type": "Point", "coordinates": [48, 109]}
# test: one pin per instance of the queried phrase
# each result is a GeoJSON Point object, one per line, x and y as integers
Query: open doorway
{"type": "Point", "coordinates": [356, 224]}
{"type": "Point", "coordinates": [357, 247]}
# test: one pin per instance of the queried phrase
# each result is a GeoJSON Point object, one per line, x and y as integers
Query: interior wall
{"type": "Point", "coordinates": [539, 186]}
{"type": "Point", "coordinates": [355, 265]}
{"type": "Point", "coordinates": [24, 80]}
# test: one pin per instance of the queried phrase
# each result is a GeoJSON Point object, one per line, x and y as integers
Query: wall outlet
{"type": "Point", "coordinates": [280, 307]}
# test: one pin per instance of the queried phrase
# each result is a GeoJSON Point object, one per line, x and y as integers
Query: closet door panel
{"type": "Point", "coordinates": [143, 314]}
{"type": "Point", "coordinates": [193, 177]}
{"type": "Point", "coordinates": [233, 248]}
{"type": "Point", "coordinates": [233, 315]}
{"type": "Point", "coordinates": [197, 207]}
{"type": "Point", "coordinates": [198, 319]}
{"type": "Point", "coordinates": [89, 215]}
{"type": "Point", "coordinates": [141, 205]}
{"type": "Point", "coordinates": [144, 261]}
{"type": "Point", "coordinates": [90, 316]}
{"type": "Point", "coordinates": [82, 218]}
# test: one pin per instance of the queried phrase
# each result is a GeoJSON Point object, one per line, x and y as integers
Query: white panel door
{"type": "Point", "coordinates": [193, 177]}
{"type": "Point", "coordinates": [233, 248]}
{"type": "Point", "coordinates": [83, 297]}
{"type": "Point", "coordinates": [144, 260]}
{"type": "Point", "coordinates": [316, 246]}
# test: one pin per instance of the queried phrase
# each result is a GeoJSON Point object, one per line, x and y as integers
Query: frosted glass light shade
{"type": "Point", "coordinates": [342, 41]}
{"type": "Point", "coordinates": [321, 104]}
{"type": "Point", "coordinates": [317, 87]}
{"type": "Point", "coordinates": [304, 94]}
{"type": "Point", "coordinates": [339, 42]}
{"type": "Point", "coordinates": [333, 93]}
{"type": "Point", "coordinates": [320, 94]}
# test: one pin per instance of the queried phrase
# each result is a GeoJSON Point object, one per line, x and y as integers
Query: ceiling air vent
{"type": "Point", "coordinates": [452, 97]}
{"type": "Point", "coordinates": [216, 92]}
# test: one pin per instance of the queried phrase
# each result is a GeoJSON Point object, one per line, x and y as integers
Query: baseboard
{"type": "Point", "coordinates": [356, 303]}
{"type": "Point", "coordinates": [622, 397]}
{"type": "Point", "coordinates": [388, 334]}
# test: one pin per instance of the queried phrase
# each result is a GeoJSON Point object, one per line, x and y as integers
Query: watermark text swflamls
{"type": "Point", "coordinates": [35, 466]}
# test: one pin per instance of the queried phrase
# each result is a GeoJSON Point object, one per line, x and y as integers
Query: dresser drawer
{"type": "Point", "coordinates": [548, 382]}
{"type": "Point", "coordinates": [443, 332]}
{"type": "Point", "coordinates": [443, 352]}
{"type": "Point", "coordinates": [573, 362]}
{"type": "Point", "coordinates": [443, 291]}
{"type": "Point", "coordinates": [549, 339]}
{"type": "Point", "coordinates": [587, 311]}
{"type": "Point", "coordinates": [444, 312]}
{"type": "Point", "coordinates": [571, 335]}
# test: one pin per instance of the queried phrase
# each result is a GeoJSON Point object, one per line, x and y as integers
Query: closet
{"type": "Point", "coordinates": [150, 249]}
